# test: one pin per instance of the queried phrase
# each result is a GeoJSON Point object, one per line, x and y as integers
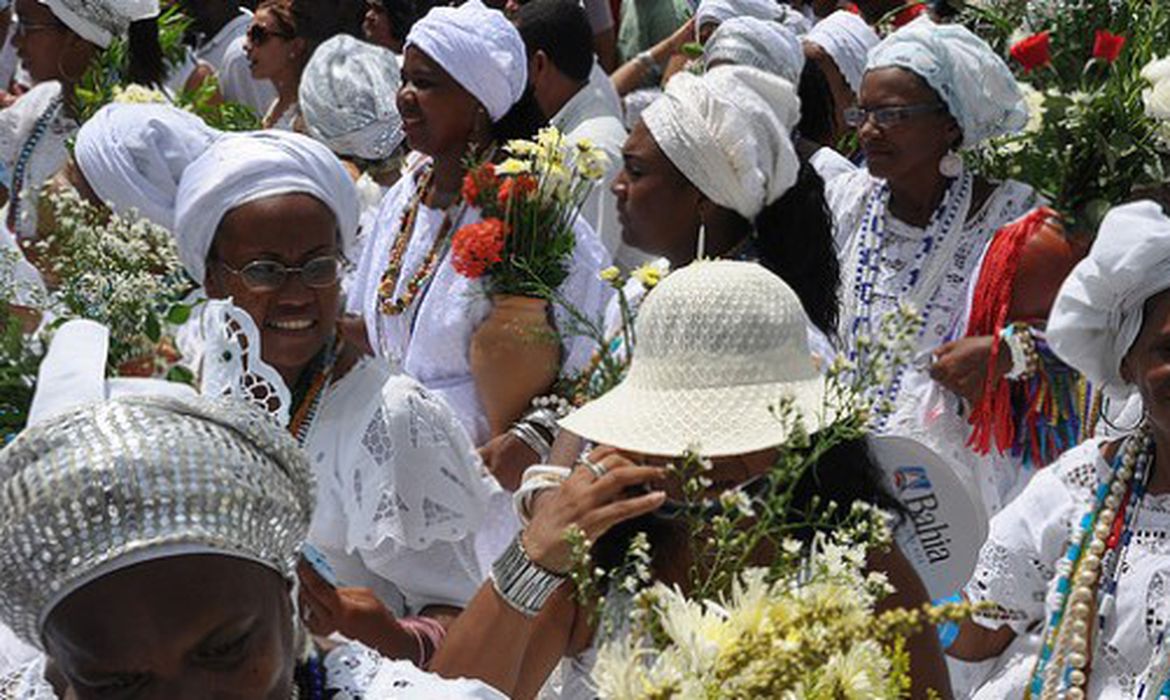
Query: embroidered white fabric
{"type": "Point", "coordinates": [50, 154]}
{"type": "Point", "coordinates": [352, 672]}
{"type": "Point", "coordinates": [430, 341]}
{"type": "Point", "coordinates": [232, 366]}
{"type": "Point", "coordinates": [400, 488]}
{"type": "Point", "coordinates": [924, 410]}
{"type": "Point", "coordinates": [1016, 573]}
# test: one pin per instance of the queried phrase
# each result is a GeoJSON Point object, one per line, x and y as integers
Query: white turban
{"type": "Point", "coordinates": [101, 21]}
{"type": "Point", "coordinates": [133, 156]}
{"type": "Point", "coordinates": [719, 11]}
{"type": "Point", "coordinates": [1098, 312]}
{"type": "Point", "coordinates": [728, 132]}
{"type": "Point", "coordinates": [847, 39]}
{"type": "Point", "coordinates": [481, 50]}
{"type": "Point", "coordinates": [972, 80]}
{"type": "Point", "coordinates": [242, 168]}
{"type": "Point", "coordinates": [748, 41]}
{"type": "Point", "coordinates": [347, 98]}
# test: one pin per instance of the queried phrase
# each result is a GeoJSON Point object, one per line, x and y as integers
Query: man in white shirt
{"type": "Point", "coordinates": [580, 100]}
{"type": "Point", "coordinates": [220, 26]}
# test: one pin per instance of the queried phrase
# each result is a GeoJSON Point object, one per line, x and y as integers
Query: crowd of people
{"type": "Point", "coordinates": [340, 499]}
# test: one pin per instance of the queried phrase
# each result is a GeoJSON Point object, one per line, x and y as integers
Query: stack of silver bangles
{"type": "Point", "coordinates": [538, 428]}
{"type": "Point", "coordinates": [522, 583]}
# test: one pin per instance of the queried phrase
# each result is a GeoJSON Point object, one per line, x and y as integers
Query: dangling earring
{"type": "Point", "coordinates": [951, 165]}
{"type": "Point", "coordinates": [702, 246]}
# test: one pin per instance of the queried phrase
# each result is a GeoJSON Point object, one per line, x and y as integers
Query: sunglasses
{"type": "Point", "coordinates": [23, 29]}
{"type": "Point", "coordinates": [855, 117]}
{"type": "Point", "coordinates": [259, 34]}
{"type": "Point", "coordinates": [270, 275]}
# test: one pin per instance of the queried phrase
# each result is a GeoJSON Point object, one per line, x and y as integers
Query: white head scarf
{"type": "Point", "coordinates": [481, 50]}
{"type": "Point", "coordinates": [242, 168]}
{"type": "Point", "coordinates": [133, 155]}
{"type": "Point", "coordinates": [719, 11]}
{"type": "Point", "coordinates": [347, 98]}
{"type": "Point", "coordinates": [1098, 312]}
{"type": "Point", "coordinates": [748, 41]}
{"type": "Point", "coordinates": [728, 132]}
{"type": "Point", "coordinates": [847, 39]}
{"type": "Point", "coordinates": [101, 21]}
{"type": "Point", "coordinates": [972, 80]}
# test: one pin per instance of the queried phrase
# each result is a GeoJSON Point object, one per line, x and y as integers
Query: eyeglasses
{"type": "Point", "coordinates": [855, 117]}
{"type": "Point", "coordinates": [270, 275]}
{"type": "Point", "coordinates": [258, 34]}
{"type": "Point", "coordinates": [23, 29]}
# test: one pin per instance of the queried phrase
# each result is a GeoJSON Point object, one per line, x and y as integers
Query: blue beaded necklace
{"type": "Point", "coordinates": [871, 240]}
{"type": "Point", "coordinates": [40, 127]}
{"type": "Point", "coordinates": [309, 680]}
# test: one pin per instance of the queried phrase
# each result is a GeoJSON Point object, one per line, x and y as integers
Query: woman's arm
{"type": "Point", "coordinates": [632, 74]}
{"type": "Point", "coordinates": [978, 643]}
{"type": "Point", "coordinates": [928, 669]}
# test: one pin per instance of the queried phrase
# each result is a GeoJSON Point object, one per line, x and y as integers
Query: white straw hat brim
{"type": "Point", "coordinates": [719, 421]}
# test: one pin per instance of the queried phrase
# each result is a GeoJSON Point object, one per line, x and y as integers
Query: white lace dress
{"type": "Point", "coordinates": [430, 341]}
{"type": "Point", "coordinates": [34, 133]}
{"type": "Point", "coordinates": [401, 492]}
{"type": "Point", "coordinates": [352, 672]}
{"type": "Point", "coordinates": [923, 409]}
{"type": "Point", "coordinates": [1016, 573]}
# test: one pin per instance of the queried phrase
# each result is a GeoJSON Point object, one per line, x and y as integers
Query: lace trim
{"type": "Point", "coordinates": [231, 362]}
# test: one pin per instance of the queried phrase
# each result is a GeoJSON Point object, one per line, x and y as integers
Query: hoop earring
{"type": "Point", "coordinates": [1105, 405]}
{"type": "Point", "coordinates": [701, 248]}
{"type": "Point", "coordinates": [951, 165]}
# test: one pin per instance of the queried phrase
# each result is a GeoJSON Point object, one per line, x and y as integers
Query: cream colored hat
{"type": "Point", "coordinates": [720, 343]}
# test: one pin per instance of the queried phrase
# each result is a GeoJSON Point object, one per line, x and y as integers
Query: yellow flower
{"type": "Point", "coordinates": [137, 94]}
{"type": "Point", "coordinates": [521, 148]}
{"type": "Point", "coordinates": [610, 274]}
{"type": "Point", "coordinates": [513, 166]}
{"type": "Point", "coordinates": [648, 275]}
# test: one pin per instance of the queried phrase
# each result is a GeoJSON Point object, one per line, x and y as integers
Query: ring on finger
{"type": "Point", "coordinates": [596, 469]}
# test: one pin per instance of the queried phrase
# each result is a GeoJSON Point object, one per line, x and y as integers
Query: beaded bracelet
{"type": "Point", "coordinates": [1022, 346]}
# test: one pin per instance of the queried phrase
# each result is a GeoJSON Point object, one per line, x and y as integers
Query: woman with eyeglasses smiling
{"type": "Point", "coordinates": [914, 224]}
{"type": "Point", "coordinates": [279, 43]}
{"type": "Point", "coordinates": [266, 220]}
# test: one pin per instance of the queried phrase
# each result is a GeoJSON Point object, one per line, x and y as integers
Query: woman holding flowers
{"type": "Point", "coordinates": [463, 93]}
{"type": "Point", "coordinates": [1073, 575]}
{"type": "Point", "coordinates": [723, 367]}
{"type": "Point", "coordinates": [913, 225]}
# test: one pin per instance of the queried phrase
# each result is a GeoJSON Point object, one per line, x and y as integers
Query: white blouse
{"type": "Point", "coordinates": [924, 410]}
{"type": "Point", "coordinates": [1016, 572]}
{"type": "Point", "coordinates": [431, 340]}
{"type": "Point", "coordinates": [401, 491]}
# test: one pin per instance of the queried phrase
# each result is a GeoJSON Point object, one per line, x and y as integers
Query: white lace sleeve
{"type": "Point", "coordinates": [232, 365]}
{"type": "Point", "coordinates": [1017, 563]}
{"type": "Point", "coordinates": [586, 292]}
{"type": "Point", "coordinates": [354, 672]}
{"type": "Point", "coordinates": [412, 476]}
{"type": "Point", "coordinates": [26, 683]}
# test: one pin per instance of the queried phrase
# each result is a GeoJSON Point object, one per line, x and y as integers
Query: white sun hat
{"type": "Point", "coordinates": [720, 343]}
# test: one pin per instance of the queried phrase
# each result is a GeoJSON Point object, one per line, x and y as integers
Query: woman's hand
{"type": "Point", "coordinates": [961, 365]}
{"type": "Point", "coordinates": [356, 613]}
{"type": "Point", "coordinates": [592, 503]}
{"type": "Point", "coordinates": [506, 457]}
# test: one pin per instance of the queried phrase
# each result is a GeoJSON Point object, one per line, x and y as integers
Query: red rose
{"type": "Point", "coordinates": [478, 246]}
{"type": "Point", "coordinates": [1033, 52]}
{"type": "Point", "coordinates": [1107, 45]}
{"type": "Point", "coordinates": [906, 15]}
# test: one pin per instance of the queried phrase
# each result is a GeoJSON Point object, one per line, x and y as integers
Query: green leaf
{"type": "Point", "coordinates": [178, 314]}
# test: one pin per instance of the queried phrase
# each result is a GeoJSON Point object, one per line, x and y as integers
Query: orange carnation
{"type": "Point", "coordinates": [476, 247]}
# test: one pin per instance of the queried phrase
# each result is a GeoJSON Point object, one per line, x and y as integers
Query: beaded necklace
{"type": "Point", "coordinates": [939, 238]}
{"type": "Point", "coordinates": [1095, 552]}
{"type": "Point", "coordinates": [309, 680]}
{"type": "Point", "coordinates": [40, 128]}
{"type": "Point", "coordinates": [309, 403]}
{"type": "Point", "coordinates": [387, 303]}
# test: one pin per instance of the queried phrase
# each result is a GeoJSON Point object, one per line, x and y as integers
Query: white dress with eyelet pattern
{"type": "Point", "coordinates": [1016, 574]}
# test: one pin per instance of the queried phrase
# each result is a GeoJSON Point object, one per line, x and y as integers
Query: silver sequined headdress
{"type": "Point", "coordinates": [113, 484]}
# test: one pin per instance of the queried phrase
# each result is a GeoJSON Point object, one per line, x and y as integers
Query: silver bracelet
{"type": "Point", "coordinates": [533, 439]}
{"type": "Point", "coordinates": [521, 582]}
{"type": "Point", "coordinates": [646, 59]}
{"type": "Point", "coordinates": [544, 419]}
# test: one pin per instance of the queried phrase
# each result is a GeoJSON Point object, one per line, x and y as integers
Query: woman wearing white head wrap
{"type": "Point", "coordinates": [464, 79]}
{"type": "Point", "coordinates": [132, 156]}
{"type": "Point", "coordinates": [70, 35]}
{"type": "Point", "coordinates": [763, 44]}
{"type": "Point", "coordinates": [1111, 322]}
{"type": "Point", "coordinates": [711, 13]}
{"type": "Point", "coordinates": [197, 511]}
{"type": "Point", "coordinates": [926, 218]}
{"type": "Point", "coordinates": [839, 46]}
{"type": "Point", "coordinates": [264, 221]}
